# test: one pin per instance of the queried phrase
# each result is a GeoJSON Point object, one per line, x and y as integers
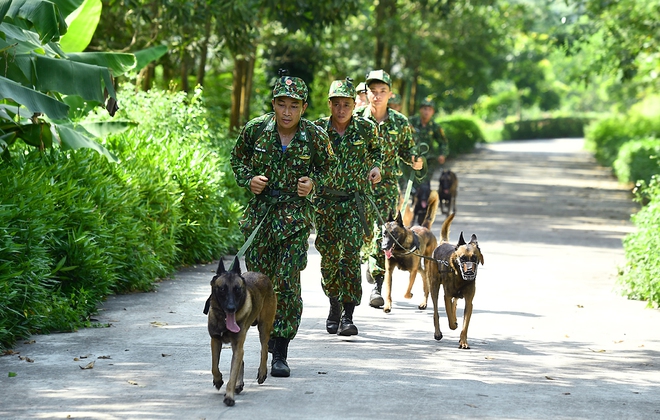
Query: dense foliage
{"type": "Point", "coordinates": [546, 128]}
{"type": "Point", "coordinates": [75, 228]}
{"type": "Point", "coordinates": [640, 278]}
{"type": "Point", "coordinates": [463, 133]}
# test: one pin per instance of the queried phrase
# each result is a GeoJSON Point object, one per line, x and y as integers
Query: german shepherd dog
{"type": "Point", "coordinates": [447, 191]}
{"type": "Point", "coordinates": [405, 248]}
{"type": "Point", "coordinates": [421, 201]}
{"type": "Point", "coordinates": [457, 272]}
{"type": "Point", "coordinates": [238, 301]}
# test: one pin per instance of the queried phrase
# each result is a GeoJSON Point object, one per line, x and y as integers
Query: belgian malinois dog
{"type": "Point", "coordinates": [238, 301]}
{"type": "Point", "coordinates": [447, 191]}
{"type": "Point", "coordinates": [406, 248]}
{"type": "Point", "coordinates": [457, 272]}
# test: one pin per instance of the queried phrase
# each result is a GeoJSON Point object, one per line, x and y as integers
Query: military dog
{"type": "Point", "coordinates": [456, 270]}
{"type": "Point", "coordinates": [405, 248]}
{"type": "Point", "coordinates": [238, 301]}
{"type": "Point", "coordinates": [447, 191]}
{"type": "Point", "coordinates": [420, 202]}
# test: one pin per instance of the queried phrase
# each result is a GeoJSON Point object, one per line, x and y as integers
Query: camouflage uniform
{"type": "Point", "coordinates": [279, 249]}
{"type": "Point", "coordinates": [397, 144]}
{"type": "Point", "coordinates": [340, 228]}
{"type": "Point", "coordinates": [434, 136]}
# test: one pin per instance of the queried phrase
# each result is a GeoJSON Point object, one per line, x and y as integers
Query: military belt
{"type": "Point", "coordinates": [342, 196]}
{"type": "Point", "coordinates": [276, 196]}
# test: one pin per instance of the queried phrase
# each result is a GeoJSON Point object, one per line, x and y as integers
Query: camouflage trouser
{"type": "Point", "coordinates": [339, 237]}
{"type": "Point", "coordinates": [386, 198]}
{"type": "Point", "coordinates": [282, 261]}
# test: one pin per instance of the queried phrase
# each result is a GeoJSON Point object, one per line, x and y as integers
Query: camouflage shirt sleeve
{"type": "Point", "coordinates": [241, 154]}
{"type": "Point", "coordinates": [324, 156]}
{"type": "Point", "coordinates": [405, 139]}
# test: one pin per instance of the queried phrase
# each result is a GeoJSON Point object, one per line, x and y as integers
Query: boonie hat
{"type": "Point", "coordinates": [361, 87]}
{"type": "Point", "coordinates": [342, 89]}
{"type": "Point", "coordinates": [292, 87]}
{"type": "Point", "coordinates": [427, 102]}
{"type": "Point", "coordinates": [379, 75]}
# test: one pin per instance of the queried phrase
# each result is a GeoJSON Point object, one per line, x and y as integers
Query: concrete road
{"type": "Point", "coordinates": [551, 337]}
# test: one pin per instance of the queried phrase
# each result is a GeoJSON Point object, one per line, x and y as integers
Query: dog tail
{"type": "Point", "coordinates": [444, 232]}
{"type": "Point", "coordinates": [431, 209]}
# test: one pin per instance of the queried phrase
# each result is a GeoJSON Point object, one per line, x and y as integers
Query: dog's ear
{"type": "Point", "coordinates": [236, 266]}
{"type": "Point", "coordinates": [399, 219]}
{"type": "Point", "coordinates": [390, 218]}
{"type": "Point", "coordinates": [221, 267]}
{"type": "Point", "coordinates": [473, 241]}
{"type": "Point", "coordinates": [461, 240]}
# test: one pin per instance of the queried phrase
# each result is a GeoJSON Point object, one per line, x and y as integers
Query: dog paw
{"type": "Point", "coordinates": [387, 309]}
{"type": "Point", "coordinates": [238, 389]}
{"type": "Point", "coordinates": [463, 346]}
{"type": "Point", "coordinates": [453, 326]}
{"type": "Point", "coordinates": [229, 401]}
{"type": "Point", "coordinates": [408, 295]}
{"type": "Point", "coordinates": [422, 306]}
{"type": "Point", "coordinates": [261, 379]}
{"type": "Point", "coordinates": [218, 384]}
{"type": "Point", "coordinates": [438, 336]}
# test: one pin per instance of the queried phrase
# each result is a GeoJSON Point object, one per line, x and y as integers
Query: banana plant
{"type": "Point", "coordinates": [43, 82]}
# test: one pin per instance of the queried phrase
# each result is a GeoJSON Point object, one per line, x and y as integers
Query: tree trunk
{"type": "Point", "coordinates": [237, 93]}
{"type": "Point", "coordinates": [201, 70]}
{"type": "Point", "coordinates": [247, 95]}
{"type": "Point", "coordinates": [385, 11]}
{"type": "Point", "coordinates": [184, 73]}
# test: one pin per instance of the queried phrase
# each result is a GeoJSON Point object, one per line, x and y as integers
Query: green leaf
{"type": "Point", "coordinates": [67, 6]}
{"type": "Point", "coordinates": [118, 63]}
{"type": "Point", "coordinates": [74, 139]}
{"type": "Point", "coordinates": [82, 25]}
{"type": "Point", "coordinates": [12, 374]}
{"type": "Point", "coordinates": [70, 78]}
{"type": "Point", "coordinates": [33, 100]}
{"type": "Point", "coordinates": [103, 128]}
{"type": "Point", "coordinates": [148, 55]}
{"type": "Point", "coordinates": [43, 16]}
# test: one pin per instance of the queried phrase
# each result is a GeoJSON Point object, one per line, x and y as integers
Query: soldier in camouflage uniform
{"type": "Point", "coordinates": [277, 157]}
{"type": "Point", "coordinates": [361, 97]}
{"type": "Point", "coordinates": [398, 145]}
{"type": "Point", "coordinates": [428, 131]}
{"type": "Point", "coordinates": [395, 102]}
{"type": "Point", "coordinates": [340, 221]}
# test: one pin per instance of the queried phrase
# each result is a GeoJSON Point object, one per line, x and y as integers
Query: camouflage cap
{"type": "Point", "coordinates": [427, 102]}
{"type": "Point", "coordinates": [342, 89]}
{"type": "Point", "coordinates": [379, 75]}
{"type": "Point", "coordinates": [394, 99]}
{"type": "Point", "coordinates": [292, 87]}
{"type": "Point", "coordinates": [361, 87]}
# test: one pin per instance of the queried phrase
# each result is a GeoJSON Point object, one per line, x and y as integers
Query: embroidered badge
{"type": "Point", "coordinates": [259, 149]}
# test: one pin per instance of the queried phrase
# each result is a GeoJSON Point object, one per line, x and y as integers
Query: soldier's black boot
{"type": "Point", "coordinates": [279, 367]}
{"type": "Point", "coordinates": [346, 326]}
{"type": "Point", "coordinates": [376, 300]}
{"type": "Point", "coordinates": [332, 323]}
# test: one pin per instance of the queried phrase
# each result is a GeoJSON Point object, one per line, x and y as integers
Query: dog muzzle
{"type": "Point", "coordinates": [468, 270]}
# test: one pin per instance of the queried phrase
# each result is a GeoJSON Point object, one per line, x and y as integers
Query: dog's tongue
{"type": "Point", "coordinates": [388, 253]}
{"type": "Point", "coordinates": [231, 323]}
{"type": "Point", "coordinates": [424, 204]}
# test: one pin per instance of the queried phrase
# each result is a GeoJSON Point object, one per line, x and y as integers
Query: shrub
{"type": "Point", "coordinates": [605, 137]}
{"type": "Point", "coordinates": [638, 160]}
{"type": "Point", "coordinates": [462, 133]}
{"type": "Point", "coordinates": [641, 277]}
{"type": "Point", "coordinates": [547, 128]}
{"type": "Point", "coordinates": [75, 228]}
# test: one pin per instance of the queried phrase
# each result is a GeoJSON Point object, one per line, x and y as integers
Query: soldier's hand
{"type": "Point", "coordinates": [258, 183]}
{"type": "Point", "coordinates": [417, 163]}
{"type": "Point", "coordinates": [374, 176]}
{"type": "Point", "coordinates": [441, 159]}
{"type": "Point", "coordinates": [305, 186]}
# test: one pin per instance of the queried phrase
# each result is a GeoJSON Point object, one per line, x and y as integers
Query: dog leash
{"type": "Point", "coordinates": [247, 243]}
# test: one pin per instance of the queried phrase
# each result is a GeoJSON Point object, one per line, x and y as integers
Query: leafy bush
{"type": "Point", "coordinates": [641, 277]}
{"type": "Point", "coordinates": [545, 128]}
{"type": "Point", "coordinates": [463, 133]}
{"type": "Point", "coordinates": [638, 160]}
{"type": "Point", "coordinates": [605, 137]}
{"type": "Point", "coordinates": [75, 228]}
